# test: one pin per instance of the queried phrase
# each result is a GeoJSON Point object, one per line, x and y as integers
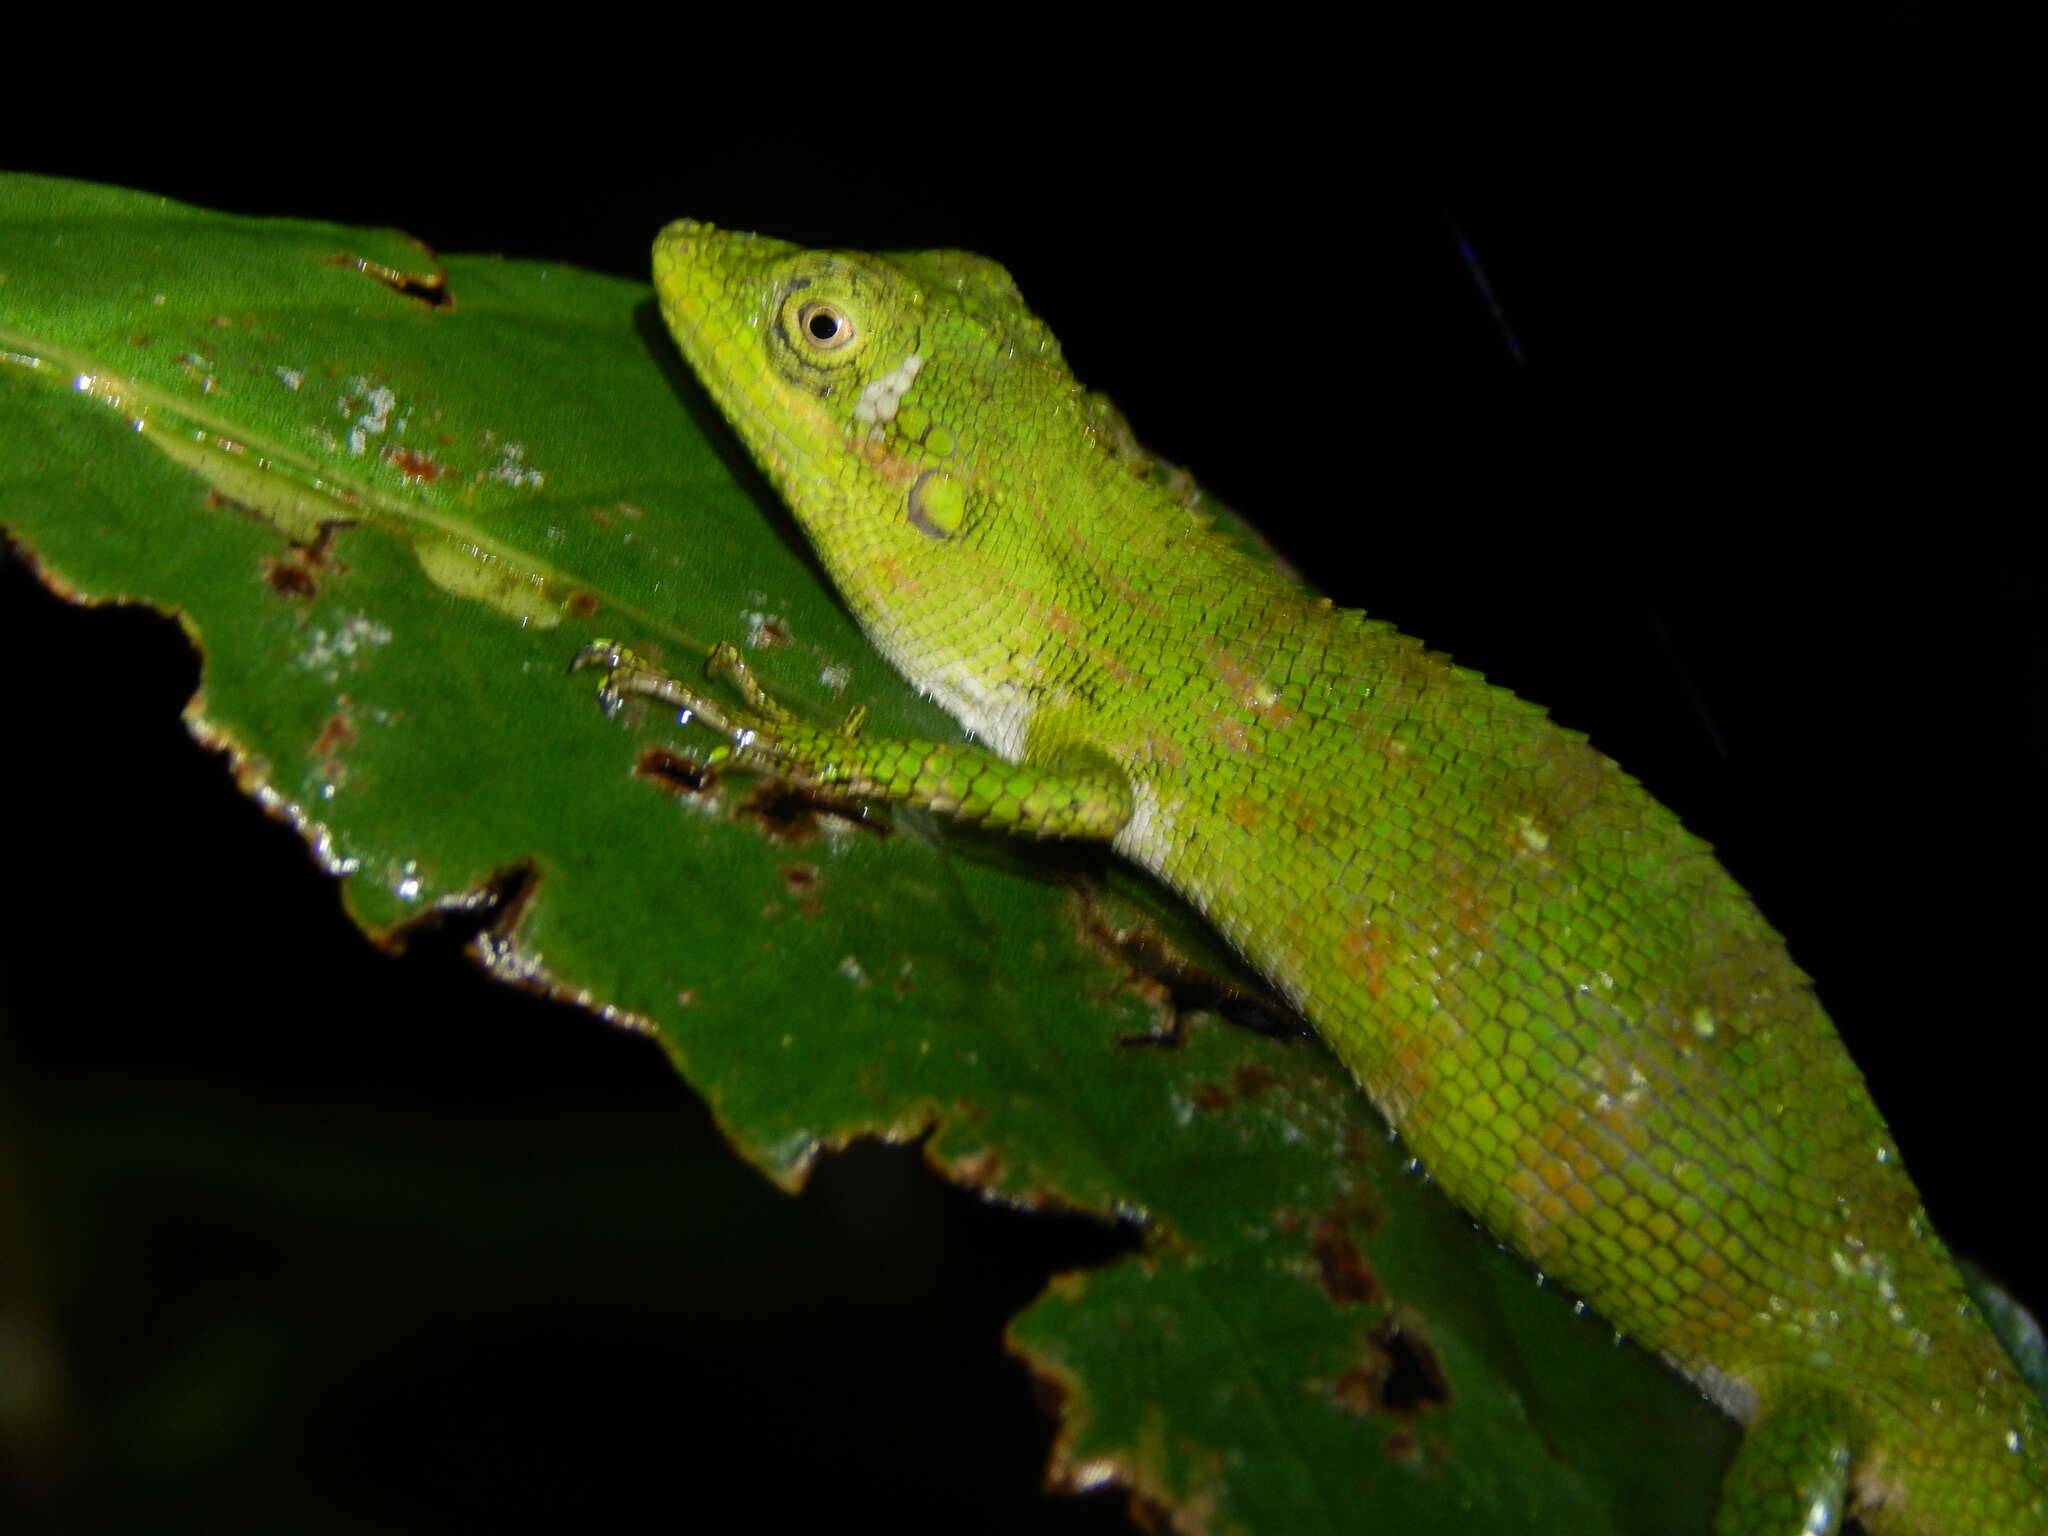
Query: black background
{"type": "Point", "coordinates": [1748, 499]}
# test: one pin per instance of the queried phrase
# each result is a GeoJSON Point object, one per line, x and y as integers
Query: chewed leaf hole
{"type": "Point", "coordinates": [673, 771]}
{"type": "Point", "coordinates": [429, 288]}
{"type": "Point", "coordinates": [793, 815]}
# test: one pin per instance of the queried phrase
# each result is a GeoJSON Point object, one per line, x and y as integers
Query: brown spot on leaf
{"type": "Point", "coordinates": [1341, 1267]}
{"type": "Point", "coordinates": [321, 550]}
{"type": "Point", "coordinates": [297, 572]}
{"type": "Point", "coordinates": [1248, 1081]}
{"type": "Point", "coordinates": [1209, 1097]}
{"type": "Point", "coordinates": [417, 467]}
{"type": "Point", "coordinates": [605, 516]}
{"type": "Point", "coordinates": [1356, 1391]}
{"type": "Point", "coordinates": [1401, 1445]}
{"type": "Point", "coordinates": [1252, 1081]}
{"type": "Point", "coordinates": [337, 735]}
{"type": "Point", "coordinates": [582, 603]}
{"type": "Point", "coordinates": [804, 884]}
{"type": "Point", "coordinates": [287, 578]}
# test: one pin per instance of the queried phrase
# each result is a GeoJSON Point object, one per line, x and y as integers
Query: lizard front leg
{"type": "Point", "coordinates": [1082, 799]}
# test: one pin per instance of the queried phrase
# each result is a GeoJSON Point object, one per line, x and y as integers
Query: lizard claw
{"type": "Point", "coordinates": [614, 658]}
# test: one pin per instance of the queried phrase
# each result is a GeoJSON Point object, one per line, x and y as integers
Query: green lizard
{"type": "Point", "coordinates": [1574, 1016]}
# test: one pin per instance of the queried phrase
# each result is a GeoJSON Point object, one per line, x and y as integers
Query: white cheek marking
{"type": "Point", "coordinates": [878, 402]}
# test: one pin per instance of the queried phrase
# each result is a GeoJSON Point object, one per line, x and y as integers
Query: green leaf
{"type": "Point", "coordinates": [389, 495]}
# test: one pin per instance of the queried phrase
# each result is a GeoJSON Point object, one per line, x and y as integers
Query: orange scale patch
{"type": "Point", "coordinates": [1361, 956]}
{"type": "Point", "coordinates": [1469, 914]}
{"type": "Point", "coordinates": [1230, 730]}
{"type": "Point", "coordinates": [887, 463]}
{"type": "Point", "coordinates": [893, 573]}
{"type": "Point", "coordinates": [1165, 749]}
{"type": "Point", "coordinates": [1059, 621]}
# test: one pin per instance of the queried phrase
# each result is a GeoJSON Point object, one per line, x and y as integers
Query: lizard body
{"type": "Point", "coordinates": [1574, 1016]}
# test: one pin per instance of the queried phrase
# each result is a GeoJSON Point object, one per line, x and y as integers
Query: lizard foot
{"type": "Point", "coordinates": [629, 675]}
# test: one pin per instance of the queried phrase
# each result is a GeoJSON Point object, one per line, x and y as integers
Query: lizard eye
{"type": "Point", "coordinates": [825, 326]}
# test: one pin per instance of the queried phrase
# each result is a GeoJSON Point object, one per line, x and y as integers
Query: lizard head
{"type": "Point", "coordinates": [873, 388]}
{"type": "Point", "coordinates": [916, 416]}
{"type": "Point", "coordinates": [960, 486]}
